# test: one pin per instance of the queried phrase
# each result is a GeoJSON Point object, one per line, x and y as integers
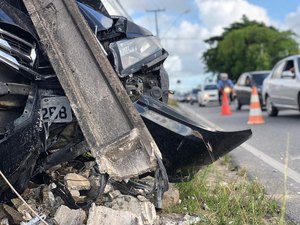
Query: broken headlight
{"type": "Point", "coordinates": [132, 54]}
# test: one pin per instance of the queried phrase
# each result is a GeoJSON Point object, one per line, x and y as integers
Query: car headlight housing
{"type": "Point", "coordinates": [206, 95]}
{"type": "Point", "coordinates": [131, 55]}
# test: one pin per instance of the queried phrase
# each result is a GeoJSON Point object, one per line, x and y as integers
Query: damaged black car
{"type": "Point", "coordinates": [38, 127]}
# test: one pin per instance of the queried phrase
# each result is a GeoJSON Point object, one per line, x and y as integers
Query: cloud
{"type": "Point", "coordinates": [292, 22]}
{"type": "Point", "coordinates": [217, 14]}
{"type": "Point", "coordinates": [173, 64]}
{"type": "Point", "coordinates": [143, 5]}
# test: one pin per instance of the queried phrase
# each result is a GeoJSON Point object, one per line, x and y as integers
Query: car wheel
{"type": "Point", "coordinates": [271, 110]}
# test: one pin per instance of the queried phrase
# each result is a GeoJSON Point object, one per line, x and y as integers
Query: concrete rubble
{"type": "Point", "coordinates": [112, 207]}
{"type": "Point", "coordinates": [111, 216]}
{"type": "Point", "coordinates": [140, 206]}
{"type": "Point", "coordinates": [76, 182]}
{"type": "Point", "coordinates": [64, 216]}
{"type": "Point", "coordinates": [170, 198]}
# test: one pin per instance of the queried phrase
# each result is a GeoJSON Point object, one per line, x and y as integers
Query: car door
{"type": "Point", "coordinates": [290, 86]}
{"type": "Point", "coordinates": [274, 84]}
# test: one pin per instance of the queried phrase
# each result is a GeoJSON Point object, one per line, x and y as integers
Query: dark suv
{"type": "Point", "coordinates": [243, 87]}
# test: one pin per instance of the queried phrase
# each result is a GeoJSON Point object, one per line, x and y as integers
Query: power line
{"type": "Point", "coordinates": [175, 21]}
{"type": "Point", "coordinates": [156, 11]}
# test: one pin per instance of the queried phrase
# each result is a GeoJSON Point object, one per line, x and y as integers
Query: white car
{"type": "Point", "coordinates": [281, 89]}
{"type": "Point", "coordinates": [208, 93]}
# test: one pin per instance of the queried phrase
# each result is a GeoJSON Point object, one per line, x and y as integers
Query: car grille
{"type": "Point", "coordinates": [18, 48]}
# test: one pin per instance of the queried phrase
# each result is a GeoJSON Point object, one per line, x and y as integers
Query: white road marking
{"type": "Point", "coordinates": [295, 157]}
{"type": "Point", "coordinates": [292, 174]}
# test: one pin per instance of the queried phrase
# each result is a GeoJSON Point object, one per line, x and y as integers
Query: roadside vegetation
{"type": "Point", "coordinates": [172, 102]}
{"type": "Point", "coordinates": [248, 46]}
{"type": "Point", "coordinates": [220, 194]}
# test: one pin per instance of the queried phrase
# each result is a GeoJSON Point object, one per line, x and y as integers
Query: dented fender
{"type": "Point", "coordinates": [186, 146]}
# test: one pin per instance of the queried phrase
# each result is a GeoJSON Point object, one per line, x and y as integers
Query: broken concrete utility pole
{"type": "Point", "coordinates": [116, 134]}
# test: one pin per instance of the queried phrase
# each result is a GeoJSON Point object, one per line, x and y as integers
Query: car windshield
{"type": "Point", "coordinates": [259, 78]}
{"type": "Point", "coordinates": [210, 87]}
{"type": "Point", "coordinates": [195, 91]}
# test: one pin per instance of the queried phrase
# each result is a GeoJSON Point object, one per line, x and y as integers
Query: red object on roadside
{"type": "Point", "coordinates": [225, 111]}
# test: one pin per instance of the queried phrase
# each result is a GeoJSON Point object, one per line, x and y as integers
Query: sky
{"type": "Point", "coordinates": [185, 24]}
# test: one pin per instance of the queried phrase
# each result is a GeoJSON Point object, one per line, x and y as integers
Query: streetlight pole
{"type": "Point", "coordinates": [155, 11]}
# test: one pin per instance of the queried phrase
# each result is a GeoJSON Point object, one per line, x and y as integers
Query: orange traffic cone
{"type": "Point", "coordinates": [225, 106]}
{"type": "Point", "coordinates": [255, 114]}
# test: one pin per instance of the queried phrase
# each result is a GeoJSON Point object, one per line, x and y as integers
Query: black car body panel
{"type": "Point", "coordinates": [96, 20]}
{"type": "Point", "coordinates": [133, 30]}
{"type": "Point", "coordinates": [186, 146]}
{"type": "Point", "coordinates": [14, 20]}
{"type": "Point", "coordinates": [21, 146]}
{"type": "Point", "coordinates": [99, 21]}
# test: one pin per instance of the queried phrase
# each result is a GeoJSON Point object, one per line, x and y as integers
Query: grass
{"type": "Point", "coordinates": [220, 195]}
{"type": "Point", "coordinates": [172, 102]}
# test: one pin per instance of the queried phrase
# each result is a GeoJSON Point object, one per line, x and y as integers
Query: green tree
{"type": "Point", "coordinates": [248, 46]}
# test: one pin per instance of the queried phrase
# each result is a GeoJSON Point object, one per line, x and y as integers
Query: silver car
{"type": "Point", "coordinates": [281, 89]}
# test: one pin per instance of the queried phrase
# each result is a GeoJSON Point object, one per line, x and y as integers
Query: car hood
{"type": "Point", "coordinates": [14, 20]}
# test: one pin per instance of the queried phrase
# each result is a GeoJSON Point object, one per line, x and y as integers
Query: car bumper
{"type": "Point", "coordinates": [186, 146]}
{"type": "Point", "coordinates": [209, 99]}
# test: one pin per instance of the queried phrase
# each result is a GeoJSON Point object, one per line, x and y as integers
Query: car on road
{"type": "Point", "coordinates": [207, 93]}
{"type": "Point", "coordinates": [281, 89]}
{"type": "Point", "coordinates": [192, 98]}
{"type": "Point", "coordinates": [243, 87]}
{"type": "Point", "coordinates": [179, 97]}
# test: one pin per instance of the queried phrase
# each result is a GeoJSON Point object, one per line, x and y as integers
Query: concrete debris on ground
{"type": "Point", "coordinates": [143, 209]}
{"type": "Point", "coordinates": [112, 207]}
{"type": "Point", "coordinates": [76, 182]}
{"type": "Point", "coordinates": [65, 215]}
{"type": "Point", "coordinates": [13, 215]}
{"type": "Point", "coordinates": [111, 216]}
{"type": "Point", "coordinates": [170, 198]}
{"type": "Point", "coordinates": [2, 213]}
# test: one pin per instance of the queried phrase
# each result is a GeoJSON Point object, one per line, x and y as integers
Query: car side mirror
{"type": "Point", "coordinates": [287, 74]}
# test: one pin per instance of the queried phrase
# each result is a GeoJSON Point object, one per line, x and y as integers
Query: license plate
{"type": "Point", "coordinates": [56, 110]}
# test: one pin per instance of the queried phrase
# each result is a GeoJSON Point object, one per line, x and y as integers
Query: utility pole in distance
{"type": "Point", "coordinates": [155, 11]}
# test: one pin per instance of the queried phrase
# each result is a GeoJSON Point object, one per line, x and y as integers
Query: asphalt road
{"type": "Point", "coordinates": [264, 154]}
